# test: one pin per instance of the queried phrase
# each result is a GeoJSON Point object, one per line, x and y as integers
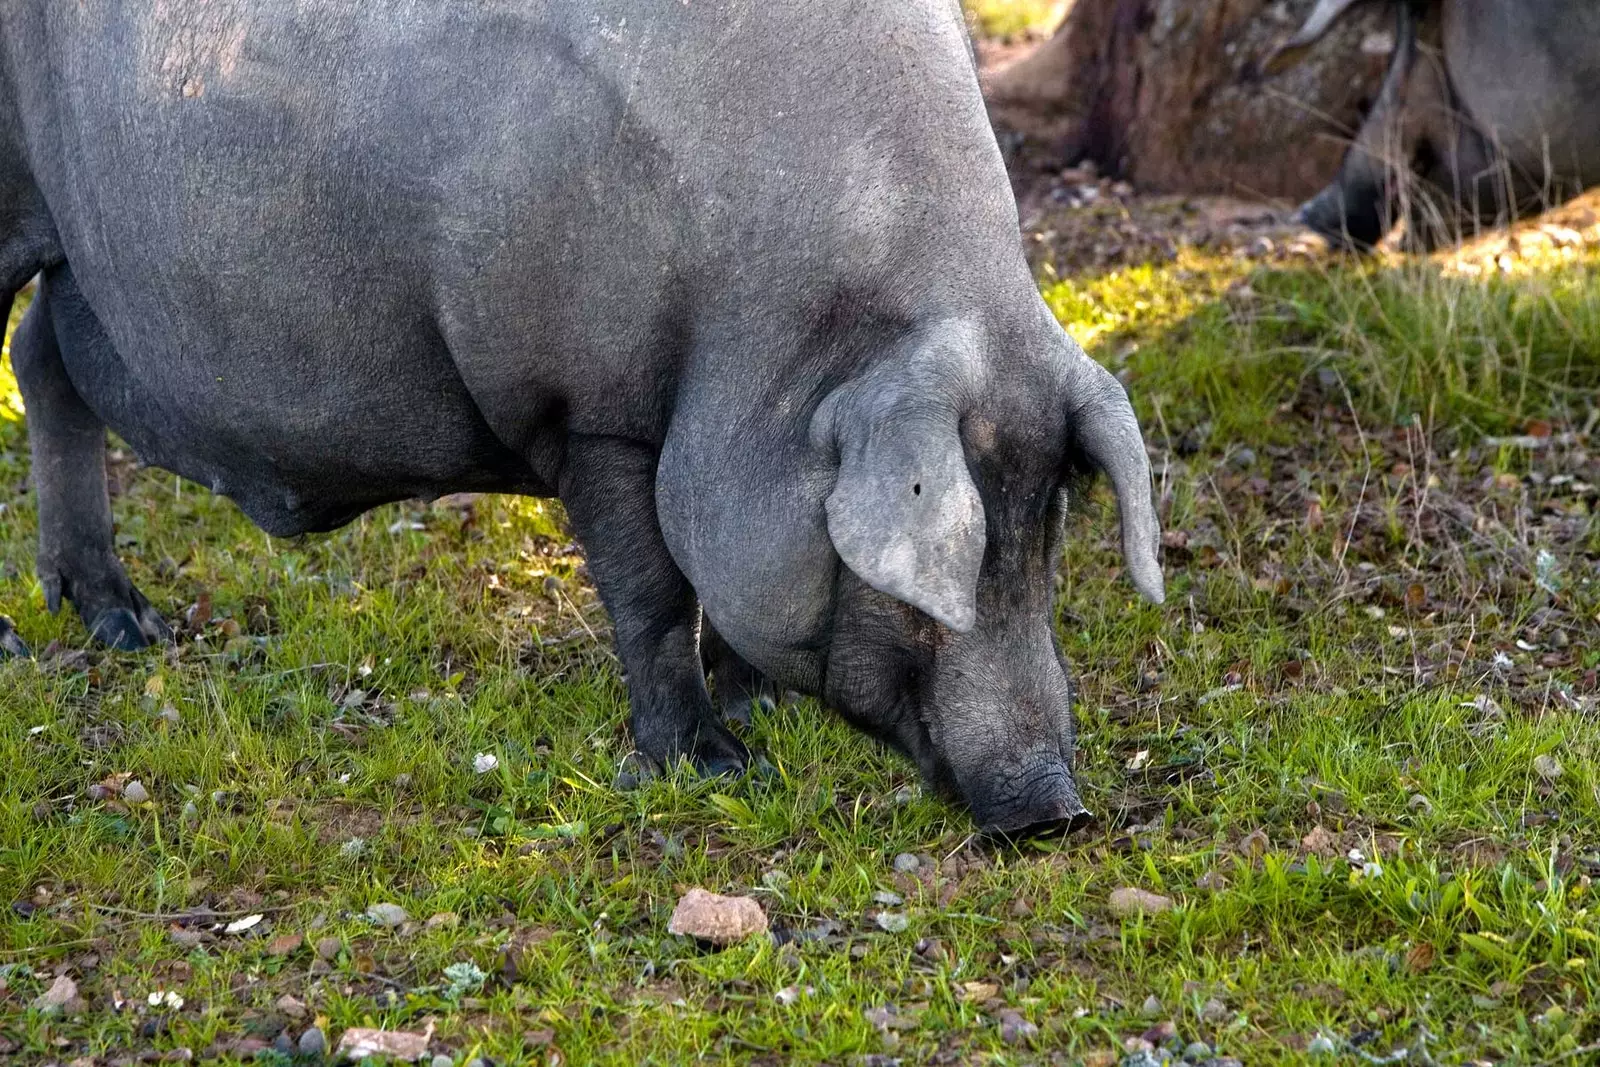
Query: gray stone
{"type": "Point", "coordinates": [313, 1042]}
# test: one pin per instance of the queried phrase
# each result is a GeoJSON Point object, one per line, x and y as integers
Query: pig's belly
{"type": "Point", "coordinates": [295, 479]}
{"type": "Point", "coordinates": [300, 443]}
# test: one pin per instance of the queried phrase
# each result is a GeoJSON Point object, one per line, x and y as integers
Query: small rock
{"type": "Point", "coordinates": [283, 1044]}
{"type": "Point", "coordinates": [1161, 1032]}
{"type": "Point", "coordinates": [1197, 1051]}
{"type": "Point", "coordinates": [1245, 457]}
{"type": "Point", "coordinates": [442, 1060]}
{"type": "Point", "coordinates": [328, 947]}
{"type": "Point", "coordinates": [444, 920]}
{"type": "Point", "coordinates": [286, 944]}
{"type": "Point", "coordinates": [358, 1043]}
{"type": "Point", "coordinates": [169, 715]}
{"type": "Point", "coordinates": [1545, 766]}
{"type": "Point", "coordinates": [1213, 880]}
{"type": "Point", "coordinates": [319, 968]}
{"type": "Point", "coordinates": [1128, 902]}
{"type": "Point", "coordinates": [292, 1007]}
{"type": "Point", "coordinates": [1420, 803]}
{"type": "Point", "coordinates": [718, 919]}
{"type": "Point", "coordinates": [1135, 1045]}
{"type": "Point", "coordinates": [1014, 1029]}
{"type": "Point", "coordinates": [387, 915]}
{"type": "Point", "coordinates": [1322, 1045]}
{"type": "Point", "coordinates": [893, 922]}
{"type": "Point", "coordinates": [1213, 1010]}
{"type": "Point", "coordinates": [135, 792]}
{"type": "Point", "coordinates": [906, 863]}
{"type": "Point", "coordinates": [62, 991]}
{"type": "Point", "coordinates": [313, 1043]}
{"type": "Point", "coordinates": [1152, 1006]}
{"type": "Point", "coordinates": [186, 937]}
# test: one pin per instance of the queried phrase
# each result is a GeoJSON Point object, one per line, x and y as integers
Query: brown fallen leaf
{"type": "Point", "coordinates": [718, 919]}
{"type": "Point", "coordinates": [1420, 958]}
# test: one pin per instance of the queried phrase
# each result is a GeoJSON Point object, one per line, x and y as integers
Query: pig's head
{"type": "Point", "coordinates": [905, 575]}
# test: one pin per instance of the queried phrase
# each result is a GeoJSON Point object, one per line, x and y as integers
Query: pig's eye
{"type": "Point", "coordinates": [917, 489]}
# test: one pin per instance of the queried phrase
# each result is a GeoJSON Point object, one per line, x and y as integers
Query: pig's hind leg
{"type": "Point", "coordinates": [738, 689]}
{"type": "Point", "coordinates": [77, 557]}
{"type": "Point", "coordinates": [608, 487]}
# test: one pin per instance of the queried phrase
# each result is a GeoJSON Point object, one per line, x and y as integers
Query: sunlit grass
{"type": "Point", "coordinates": [1009, 18]}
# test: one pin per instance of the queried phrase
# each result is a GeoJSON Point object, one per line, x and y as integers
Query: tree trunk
{"type": "Point", "coordinates": [1171, 95]}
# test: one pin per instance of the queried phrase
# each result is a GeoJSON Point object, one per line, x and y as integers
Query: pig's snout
{"type": "Point", "coordinates": [1032, 801]}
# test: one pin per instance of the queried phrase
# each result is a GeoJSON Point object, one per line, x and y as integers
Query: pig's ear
{"type": "Point", "coordinates": [904, 514]}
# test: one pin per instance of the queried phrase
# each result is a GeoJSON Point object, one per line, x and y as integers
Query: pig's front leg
{"type": "Point", "coordinates": [608, 487]}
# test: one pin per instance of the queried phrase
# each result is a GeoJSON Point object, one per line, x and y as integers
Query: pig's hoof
{"type": "Point", "coordinates": [716, 753]}
{"type": "Point", "coordinates": [10, 642]}
{"type": "Point", "coordinates": [129, 629]}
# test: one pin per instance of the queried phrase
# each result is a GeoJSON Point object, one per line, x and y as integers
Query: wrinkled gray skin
{"type": "Point", "coordinates": [739, 281]}
{"type": "Point", "coordinates": [1488, 102]}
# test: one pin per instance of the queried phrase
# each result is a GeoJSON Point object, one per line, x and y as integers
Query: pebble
{"type": "Point", "coordinates": [1152, 1006]}
{"type": "Point", "coordinates": [1245, 457]}
{"type": "Point", "coordinates": [1161, 1032]}
{"type": "Point", "coordinates": [1196, 1051]}
{"type": "Point", "coordinates": [328, 947]}
{"type": "Point", "coordinates": [313, 1042]}
{"type": "Point", "coordinates": [894, 922]}
{"type": "Point", "coordinates": [63, 991]}
{"type": "Point", "coordinates": [1128, 902]}
{"type": "Point", "coordinates": [389, 915]}
{"type": "Point", "coordinates": [284, 1044]}
{"type": "Point", "coordinates": [135, 792]}
{"type": "Point", "coordinates": [906, 863]}
{"type": "Point", "coordinates": [1015, 1030]}
{"type": "Point", "coordinates": [715, 918]}
{"type": "Point", "coordinates": [1322, 1045]}
{"type": "Point", "coordinates": [1545, 766]}
{"type": "Point", "coordinates": [888, 899]}
{"type": "Point", "coordinates": [442, 1060]}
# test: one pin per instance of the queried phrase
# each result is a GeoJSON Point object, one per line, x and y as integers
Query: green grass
{"type": "Point", "coordinates": [1010, 18]}
{"type": "Point", "coordinates": [1338, 667]}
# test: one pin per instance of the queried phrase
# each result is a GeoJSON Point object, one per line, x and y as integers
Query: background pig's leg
{"type": "Point", "coordinates": [741, 690]}
{"type": "Point", "coordinates": [608, 486]}
{"type": "Point", "coordinates": [77, 559]}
